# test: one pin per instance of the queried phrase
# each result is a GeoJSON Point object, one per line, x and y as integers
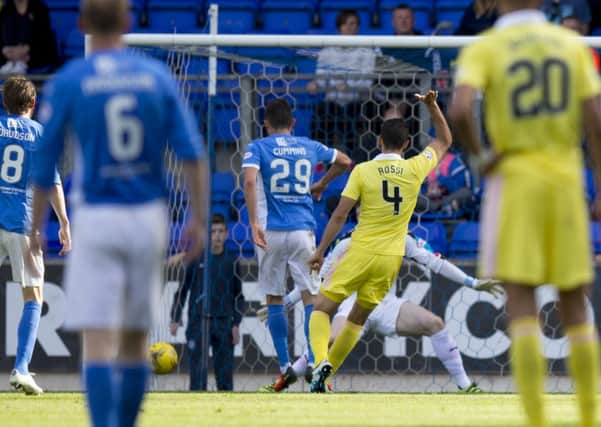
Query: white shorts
{"type": "Point", "coordinates": [287, 251]}
{"type": "Point", "coordinates": [382, 320]}
{"type": "Point", "coordinates": [27, 269]}
{"type": "Point", "coordinates": [114, 273]}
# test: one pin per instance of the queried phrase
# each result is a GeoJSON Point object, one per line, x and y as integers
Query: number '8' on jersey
{"type": "Point", "coordinates": [286, 164]}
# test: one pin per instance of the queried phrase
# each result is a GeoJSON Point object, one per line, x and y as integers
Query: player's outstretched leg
{"type": "Point", "coordinates": [527, 363]}
{"type": "Point", "coordinates": [27, 332]}
{"type": "Point", "coordinates": [583, 360]}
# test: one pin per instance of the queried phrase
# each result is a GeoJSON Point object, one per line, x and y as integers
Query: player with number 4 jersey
{"type": "Point", "coordinates": [387, 188]}
{"type": "Point", "coordinates": [278, 192]}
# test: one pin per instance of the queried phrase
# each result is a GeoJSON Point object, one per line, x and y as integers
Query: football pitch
{"type": "Point", "coordinates": [292, 409]}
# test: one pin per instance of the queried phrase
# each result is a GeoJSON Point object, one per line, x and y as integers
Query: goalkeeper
{"type": "Point", "coordinates": [396, 316]}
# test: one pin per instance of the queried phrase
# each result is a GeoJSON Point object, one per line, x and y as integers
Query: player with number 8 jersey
{"type": "Point", "coordinates": [387, 188]}
{"type": "Point", "coordinates": [277, 188]}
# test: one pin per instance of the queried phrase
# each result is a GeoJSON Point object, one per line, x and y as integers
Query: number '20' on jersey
{"type": "Point", "coordinates": [286, 164]}
{"type": "Point", "coordinates": [123, 111]}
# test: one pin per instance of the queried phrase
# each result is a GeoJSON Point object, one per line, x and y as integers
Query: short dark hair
{"type": "Point", "coordinates": [105, 17]}
{"type": "Point", "coordinates": [218, 219]}
{"type": "Point", "coordinates": [19, 94]}
{"type": "Point", "coordinates": [394, 133]}
{"type": "Point", "coordinates": [279, 114]}
{"type": "Point", "coordinates": [345, 14]}
{"type": "Point", "coordinates": [402, 6]}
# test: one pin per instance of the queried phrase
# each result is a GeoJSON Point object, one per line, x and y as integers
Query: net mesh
{"type": "Point", "coordinates": [345, 108]}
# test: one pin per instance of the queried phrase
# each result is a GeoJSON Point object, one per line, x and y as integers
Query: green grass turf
{"type": "Point", "coordinates": [250, 409]}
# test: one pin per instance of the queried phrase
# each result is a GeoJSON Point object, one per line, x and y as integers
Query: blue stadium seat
{"type": "Point", "coordinates": [222, 209]}
{"type": "Point", "coordinates": [227, 122]}
{"type": "Point", "coordinates": [74, 45]}
{"type": "Point", "coordinates": [303, 113]}
{"type": "Point", "coordinates": [596, 237]}
{"type": "Point", "coordinates": [174, 15]}
{"type": "Point", "coordinates": [329, 9]}
{"type": "Point", "coordinates": [336, 185]}
{"type": "Point", "coordinates": [222, 186]}
{"type": "Point", "coordinates": [240, 240]}
{"type": "Point", "coordinates": [287, 17]}
{"type": "Point", "coordinates": [63, 15]}
{"type": "Point", "coordinates": [53, 245]}
{"type": "Point", "coordinates": [422, 11]}
{"type": "Point", "coordinates": [432, 232]}
{"type": "Point", "coordinates": [236, 16]}
{"type": "Point", "coordinates": [451, 11]}
{"type": "Point", "coordinates": [464, 243]}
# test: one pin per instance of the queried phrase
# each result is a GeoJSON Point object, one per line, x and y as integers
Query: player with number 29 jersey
{"type": "Point", "coordinates": [123, 110]}
{"type": "Point", "coordinates": [286, 165]}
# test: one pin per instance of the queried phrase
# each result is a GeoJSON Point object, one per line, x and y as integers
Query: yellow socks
{"type": "Point", "coordinates": [343, 344]}
{"type": "Point", "coordinates": [319, 334]}
{"type": "Point", "coordinates": [528, 368]}
{"type": "Point", "coordinates": [583, 363]}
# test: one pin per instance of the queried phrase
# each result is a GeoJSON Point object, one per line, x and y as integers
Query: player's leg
{"type": "Point", "coordinates": [348, 337]}
{"type": "Point", "coordinates": [415, 320]}
{"type": "Point", "coordinates": [583, 360]}
{"type": "Point", "coordinates": [301, 245]}
{"type": "Point", "coordinates": [319, 326]}
{"type": "Point", "coordinates": [272, 277]}
{"type": "Point", "coordinates": [29, 271]}
{"type": "Point", "coordinates": [142, 253]}
{"type": "Point", "coordinates": [527, 363]}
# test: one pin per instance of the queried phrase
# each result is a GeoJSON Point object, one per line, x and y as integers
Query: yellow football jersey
{"type": "Point", "coordinates": [535, 76]}
{"type": "Point", "coordinates": [387, 188]}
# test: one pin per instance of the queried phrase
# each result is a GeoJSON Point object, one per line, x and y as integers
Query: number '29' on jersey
{"type": "Point", "coordinates": [286, 164]}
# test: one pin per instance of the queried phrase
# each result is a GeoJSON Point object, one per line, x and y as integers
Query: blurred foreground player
{"type": "Point", "coordinates": [540, 87]}
{"type": "Point", "coordinates": [19, 140]}
{"type": "Point", "coordinates": [123, 110]}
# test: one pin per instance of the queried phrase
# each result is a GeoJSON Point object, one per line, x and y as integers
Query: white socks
{"type": "Point", "coordinates": [446, 350]}
{"type": "Point", "coordinates": [300, 365]}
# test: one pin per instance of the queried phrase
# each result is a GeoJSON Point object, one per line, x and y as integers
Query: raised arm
{"type": "Point", "coordinates": [443, 138]}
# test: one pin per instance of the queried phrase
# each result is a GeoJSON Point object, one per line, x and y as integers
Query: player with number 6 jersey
{"type": "Point", "coordinates": [387, 188]}
{"type": "Point", "coordinates": [123, 111]}
{"type": "Point", "coordinates": [278, 192]}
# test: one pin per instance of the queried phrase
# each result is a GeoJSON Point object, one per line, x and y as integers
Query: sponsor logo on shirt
{"type": "Point", "coordinates": [428, 154]}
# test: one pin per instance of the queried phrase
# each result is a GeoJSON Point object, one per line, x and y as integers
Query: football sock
{"type": "Point", "coordinates": [27, 334]}
{"type": "Point", "coordinates": [344, 343]}
{"type": "Point", "coordinates": [132, 380]}
{"type": "Point", "coordinates": [583, 363]}
{"type": "Point", "coordinates": [291, 298]}
{"type": "Point", "coordinates": [300, 365]}
{"type": "Point", "coordinates": [528, 367]}
{"type": "Point", "coordinates": [447, 352]}
{"type": "Point", "coordinates": [98, 380]}
{"type": "Point", "coordinates": [278, 327]}
{"type": "Point", "coordinates": [319, 333]}
{"type": "Point", "coordinates": [308, 311]}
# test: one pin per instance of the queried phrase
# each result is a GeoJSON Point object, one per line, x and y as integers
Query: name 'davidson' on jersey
{"type": "Point", "coordinates": [13, 134]}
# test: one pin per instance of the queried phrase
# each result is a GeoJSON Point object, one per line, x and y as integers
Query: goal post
{"type": "Point", "coordinates": [228, 79]}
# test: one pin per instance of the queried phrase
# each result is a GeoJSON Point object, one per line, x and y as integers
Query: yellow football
{"type": "Point", "coordinates": [162, 357]}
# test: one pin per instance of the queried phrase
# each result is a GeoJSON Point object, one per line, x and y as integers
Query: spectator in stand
{"type": "Point", "coordinates": [27, 41]}
{"type": "Point", "coordinates": [225, 310]}
{"type": "Point", "coordinates": [479, 16]}
{"type": "Point", "coordinates": [339, 118]}
{"type": "Point", "coordinates": [557, 10]}
{"type": "Point", "coordinates": [448, 188]}
{"type": "Point", "coordinates": [575, 24]}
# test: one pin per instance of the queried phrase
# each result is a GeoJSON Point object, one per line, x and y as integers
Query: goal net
{"type": "Point", "coordinates": [343, 106]}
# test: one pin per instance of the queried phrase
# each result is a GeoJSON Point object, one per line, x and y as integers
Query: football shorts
{"type": "Point", "coordinates": [27, 269]}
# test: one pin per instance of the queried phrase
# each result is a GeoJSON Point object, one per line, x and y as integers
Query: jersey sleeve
{"type": "Point", "coordinates": [54, 115]}
{"type": "Point", "coordinates": [472, 66]}
{"type": "Point", "coordinates": [184, 137]}
{"type": "Point", "coordinates": [353, 185]}
{"type": "Point", "coordinates": [424, 162]}
{"type": "Point", "coordinates": [252, 156]}
{"type": "Point", "coordinates": [589, 83]}
{"type": "Point", "coordinates": [325, 154]}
